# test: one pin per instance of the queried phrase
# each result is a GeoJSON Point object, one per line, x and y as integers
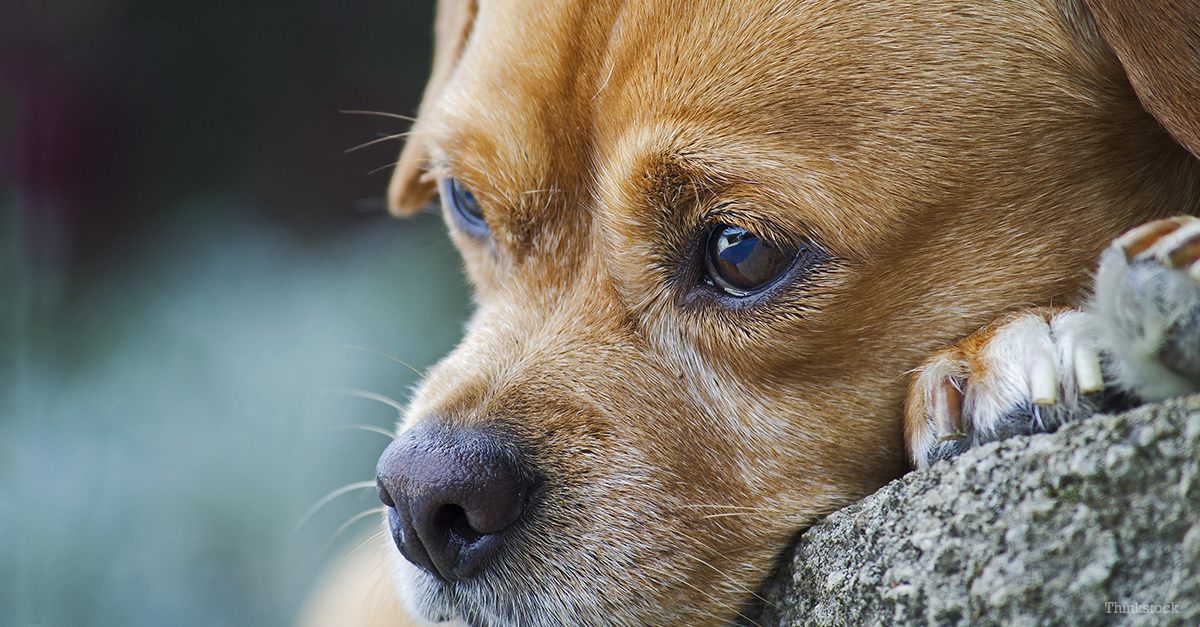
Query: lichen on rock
{"type": "Point", "coordinates": [1098, 523]}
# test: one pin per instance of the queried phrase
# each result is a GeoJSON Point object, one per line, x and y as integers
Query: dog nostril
{"type": "Point", "coordinates": [452, 496]}
{"type": "Point", "coordinates": [454, 519]}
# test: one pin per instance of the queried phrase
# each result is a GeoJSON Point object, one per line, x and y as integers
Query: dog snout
{"type": "Point", "coordinates": [451, 497]}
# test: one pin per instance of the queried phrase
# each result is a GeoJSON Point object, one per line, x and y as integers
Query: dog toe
{"type": "Point", "coordinates": [1148, 303]}
{"type": "Point", "coordinates": [1026, 373]}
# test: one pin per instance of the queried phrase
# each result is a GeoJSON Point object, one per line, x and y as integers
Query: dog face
{"type": "Point", "coordinates": [707, 241]}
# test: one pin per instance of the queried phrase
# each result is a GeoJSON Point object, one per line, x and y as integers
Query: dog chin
{"type": "Point", "coordinates": [430, 602]}
{"type": "Point", "coordinates": [425, 599]}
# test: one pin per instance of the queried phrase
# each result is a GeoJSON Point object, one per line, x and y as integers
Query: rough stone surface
{"type": "Point", "coordinates": [1053, 529]}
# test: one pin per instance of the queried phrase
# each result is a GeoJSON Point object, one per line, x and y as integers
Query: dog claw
{"type": "Point", "coordinates": [1149, 307]}
{"type": "Point", "coordinates": [1136, 241]}
{"type": "Point", "coordinates": [1184, 253]}
{"type": "Point", "coordinates": [1043, 383]}
{"type": "Point", "coordinates": [1027, 372]}
{"type": "Point", "coordinates": [1087, 370]}
{"type": "Point", "coordinates": [947, 411]}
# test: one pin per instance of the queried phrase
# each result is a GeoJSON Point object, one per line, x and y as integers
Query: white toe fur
{"type": "Point", "coordinates": [1030, 375]}
{"type": "Point", "coordinates": [1030, 361]}
{"type": "Point", "coordinates": [1138, 303]}
{"type": "Point", "coordinates": [1033, 371]}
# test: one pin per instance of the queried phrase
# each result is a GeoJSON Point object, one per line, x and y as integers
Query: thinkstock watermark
{"type": "Point", "coordinates": [1141, 608]}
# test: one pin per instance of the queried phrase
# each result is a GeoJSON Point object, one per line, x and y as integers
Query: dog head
{"type": "Point", "coordinates": [707, 241]}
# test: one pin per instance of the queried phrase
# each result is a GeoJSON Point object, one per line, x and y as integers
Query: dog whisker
{"type": "Point", "coordinates": [738, 589]}
{"type": "Point", "coordinates": [375, 542]}
{"type": "Point", "coordinates": [731, 514]}
{"type": "Point", "coordinates": [606, 79]}
{"type": "Point", "coordinates": [361, 485]}
{"type": "Point", "coordinates": [384, 167]}
{"type": "Point", "coordinates": [758, 597]}
{"type": "Point", "coordinates": [402, 363]}
{"type": "Point", "coordinates": [379, 113]}
{"type": "Point", "coordinates": [765, 510]}
{"type": "Point", "coordinates": [371, 395]}
{"type": "Point", "coordinates": [741, 590]}
{"type": "Point", "coordinates": [353, 519]}
{"type": "Point", "coordinates": [614, 334]}
{"type": "Point", "coordinates": [704, 593]}
{"type": "Point", "coordinates": [373, 539]}
{"type": "Point", "coordinates": [371, 428]}
{"type": "Point", "coordinates": [378, 140]}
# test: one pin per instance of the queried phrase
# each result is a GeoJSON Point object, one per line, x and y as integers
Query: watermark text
{"type": "Point", "coordinates": [1140, 608]}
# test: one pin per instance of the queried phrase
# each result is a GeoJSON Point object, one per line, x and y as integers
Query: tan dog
{"type": "Point", "coordinates": [711, 240]}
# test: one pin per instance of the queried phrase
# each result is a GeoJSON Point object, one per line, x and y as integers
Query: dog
{"type": "Point", "coordinates": [738, 264]}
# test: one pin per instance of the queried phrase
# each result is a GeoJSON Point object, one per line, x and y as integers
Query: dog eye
{"type": "Point", "coordinates": [463, 207]}
{"type": "Point", "coordinates": [741, 263]}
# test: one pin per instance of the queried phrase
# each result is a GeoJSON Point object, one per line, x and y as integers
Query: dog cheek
{"type": "Point", "coordinates": [650, 483]}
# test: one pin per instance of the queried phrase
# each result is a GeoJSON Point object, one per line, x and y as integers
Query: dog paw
{"type": "Point", "coordinates": [1147, 302]}
{"type": "Point", "coordinates": [1027, 372]}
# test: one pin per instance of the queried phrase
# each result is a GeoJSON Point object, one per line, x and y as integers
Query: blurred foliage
{"type": "Point", "coordinates": [186, 266]}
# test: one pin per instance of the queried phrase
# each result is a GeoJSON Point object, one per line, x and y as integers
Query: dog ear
{"type": "Point", "coordinates": [1158, 43]}
{"type": "Point", "coordinates": [409, 189]}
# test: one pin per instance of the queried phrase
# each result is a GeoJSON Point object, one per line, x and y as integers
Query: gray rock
{"type": "Point", "coordinates": [1096, 524]}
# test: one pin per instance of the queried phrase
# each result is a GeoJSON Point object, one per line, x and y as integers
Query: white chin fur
{"type": "Point", "coordinates": [421, 595]}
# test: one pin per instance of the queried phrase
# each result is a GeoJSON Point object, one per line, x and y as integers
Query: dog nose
{"type": "Point", "coordinates": [451, 495]}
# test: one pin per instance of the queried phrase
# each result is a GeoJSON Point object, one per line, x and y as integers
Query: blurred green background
{"type": "Point", "coordinates": [187, 256]}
